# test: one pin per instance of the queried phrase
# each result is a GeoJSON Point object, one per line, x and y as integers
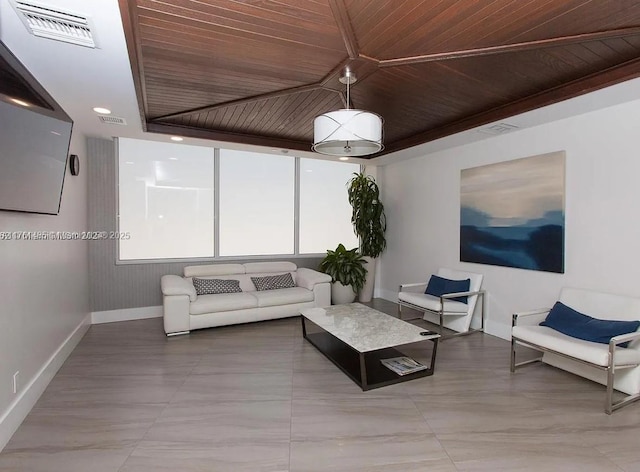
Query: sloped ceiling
{"type": "Point", "coordinates": [258, 72]}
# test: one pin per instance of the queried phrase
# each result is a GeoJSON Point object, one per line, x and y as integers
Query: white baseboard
{"type": "Point", "coordinates": [18, 410]}
{"type": "Point", "coordinates": [127, 314]}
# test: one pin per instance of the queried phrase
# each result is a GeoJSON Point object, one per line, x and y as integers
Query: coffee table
{"type": "Point", "coordinates": [355, 338]}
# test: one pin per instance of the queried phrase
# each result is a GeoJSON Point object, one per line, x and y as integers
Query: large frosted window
{"type": "Point", "coordinates": [169, 207]}
{"type": "Point", "coordinates": [165, 200]}
{"type": "Point", "coordinates": [256, 203]}
{"type": "Point", "coordinates": [325, 213]}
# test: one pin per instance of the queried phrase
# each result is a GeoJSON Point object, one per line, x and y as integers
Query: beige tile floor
{"type": "Point", "coordinates": [257, 397]}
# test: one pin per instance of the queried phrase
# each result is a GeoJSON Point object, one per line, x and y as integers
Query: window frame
{"type": "Point", "coordinates": [216, 221]}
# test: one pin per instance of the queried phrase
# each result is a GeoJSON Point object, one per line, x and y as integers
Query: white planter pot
{"type": "Point", "coordinates": [341, 294]}
{"type": "Point", "coordinates": [366, 294]}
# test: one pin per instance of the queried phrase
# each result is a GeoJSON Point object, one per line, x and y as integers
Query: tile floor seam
{"type": "Point", "coordinates": [167, 404]}
{"type": "Point", "coordinates": [433, 432]}
{"type": "Point", "coordinates": [606, 456]}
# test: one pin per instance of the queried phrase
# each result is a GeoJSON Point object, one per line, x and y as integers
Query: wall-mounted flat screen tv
{"type": "Point", "coordinates": [34, 141]}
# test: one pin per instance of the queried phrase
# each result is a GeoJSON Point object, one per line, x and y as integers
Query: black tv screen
{"type": "Point", "coordinates": [35, 134]}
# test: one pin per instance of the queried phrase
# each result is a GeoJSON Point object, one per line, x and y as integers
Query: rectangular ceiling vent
{"type": "Point", "coordinates": [498, 128]}
{"type": "Point", "coordinates": [45, 22]}
{"type": "Point", "coordinates": [112, 120]}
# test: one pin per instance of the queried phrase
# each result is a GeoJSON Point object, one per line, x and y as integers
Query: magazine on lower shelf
{"type": "Point", "coordinates": [402, 365]}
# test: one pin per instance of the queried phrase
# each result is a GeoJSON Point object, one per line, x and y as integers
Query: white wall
{"type": "Point", "coordinates": [602, 233]}
{"type": "Point", "coordinates": [44, 297]}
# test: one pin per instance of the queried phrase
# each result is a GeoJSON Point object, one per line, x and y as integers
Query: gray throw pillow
{"type": "Point", "coordinates": [273, 282]}
{"type": "Point", "coordinates": [213, 286]}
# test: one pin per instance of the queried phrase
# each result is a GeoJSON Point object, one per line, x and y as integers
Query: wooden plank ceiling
{"type": "Point", "coordinates": [258, 72]}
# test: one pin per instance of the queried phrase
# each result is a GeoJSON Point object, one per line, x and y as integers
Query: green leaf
{"type": "Point", "coordinates": [367, 217]}
{"type": "Point", "coordinates": [345, 266]}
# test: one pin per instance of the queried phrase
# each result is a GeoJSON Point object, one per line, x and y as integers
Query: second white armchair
{"type": "Point", "coordinates": [453, 309]}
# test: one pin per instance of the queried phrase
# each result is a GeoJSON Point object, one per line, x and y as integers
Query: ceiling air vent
{"type": "Point", "coordinates": [498, 128]}
{"type": "Point", "coordinates": [50, 23]}
{"type": "Point", "coordinates": [112, 120]}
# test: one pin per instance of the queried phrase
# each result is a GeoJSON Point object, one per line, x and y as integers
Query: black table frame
{"type": "Point", "coordinates": [364, 368]}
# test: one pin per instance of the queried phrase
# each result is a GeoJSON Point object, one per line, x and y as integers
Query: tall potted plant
{"type": "Point", "coordinates": [369, 224]}
{"type": "Point", "coordinates": [346, 268]}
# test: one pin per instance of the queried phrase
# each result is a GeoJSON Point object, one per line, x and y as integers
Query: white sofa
{"type": "Point", "coordinates": [184, 310]}
{"type": "Point", "coordinates": [611, 365]}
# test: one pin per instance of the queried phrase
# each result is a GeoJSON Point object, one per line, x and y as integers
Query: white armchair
{"type": "Point", "coordinates": [612, 365]}
{"type": "Point", "coordinates": [444, 310]}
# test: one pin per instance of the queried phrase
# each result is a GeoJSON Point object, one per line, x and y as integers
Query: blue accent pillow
{"type": "Point", "coordinates": [578, 325]}
{"type": "Point", "coordinates": [439, 286]}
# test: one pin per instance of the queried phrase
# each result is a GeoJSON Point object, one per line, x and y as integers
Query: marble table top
{"type": "Point", "coordinates": [364, 328]}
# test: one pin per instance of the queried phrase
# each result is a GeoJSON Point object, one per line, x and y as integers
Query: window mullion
{"type": "Point", "coordinates": [216, 202]}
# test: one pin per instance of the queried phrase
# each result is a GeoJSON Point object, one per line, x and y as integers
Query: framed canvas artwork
{"type": "Point", "coordinates": [512, 213]}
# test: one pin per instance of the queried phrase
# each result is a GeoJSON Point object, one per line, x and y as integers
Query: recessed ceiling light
{"type": "Point", "coordinates": [343, 158]}
{"type": "Point", "coordinates": [17, 101]}
{"type": "Point", "coordinates": [129, 162]}
{"type": "Point", "coordinates": [176, 138]}
{"type": "Point", "coordinates": [173, 158]}
{"type": "Point", "coordinates": [102, 111]}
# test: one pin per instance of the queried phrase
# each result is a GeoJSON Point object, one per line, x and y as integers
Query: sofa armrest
{"type": "Point", "coordinates": [530, 318]}
{"type": "Point", "coordinates": [176, 285]}
{"type": "Point", "coordinates": [309, 278]}
{"type": "Point", "coordinates": [418, 287]}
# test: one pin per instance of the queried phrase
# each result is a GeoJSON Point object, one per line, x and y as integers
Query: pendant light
{"type": "Point", "coordinates": [347, 132]}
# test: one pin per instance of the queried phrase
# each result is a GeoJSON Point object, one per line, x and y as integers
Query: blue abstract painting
{"type": "Point", "coordinates": [512, 213]}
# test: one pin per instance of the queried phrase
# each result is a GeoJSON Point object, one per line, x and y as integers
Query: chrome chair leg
{"type": "Point", "coordinates": [481, 294]}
